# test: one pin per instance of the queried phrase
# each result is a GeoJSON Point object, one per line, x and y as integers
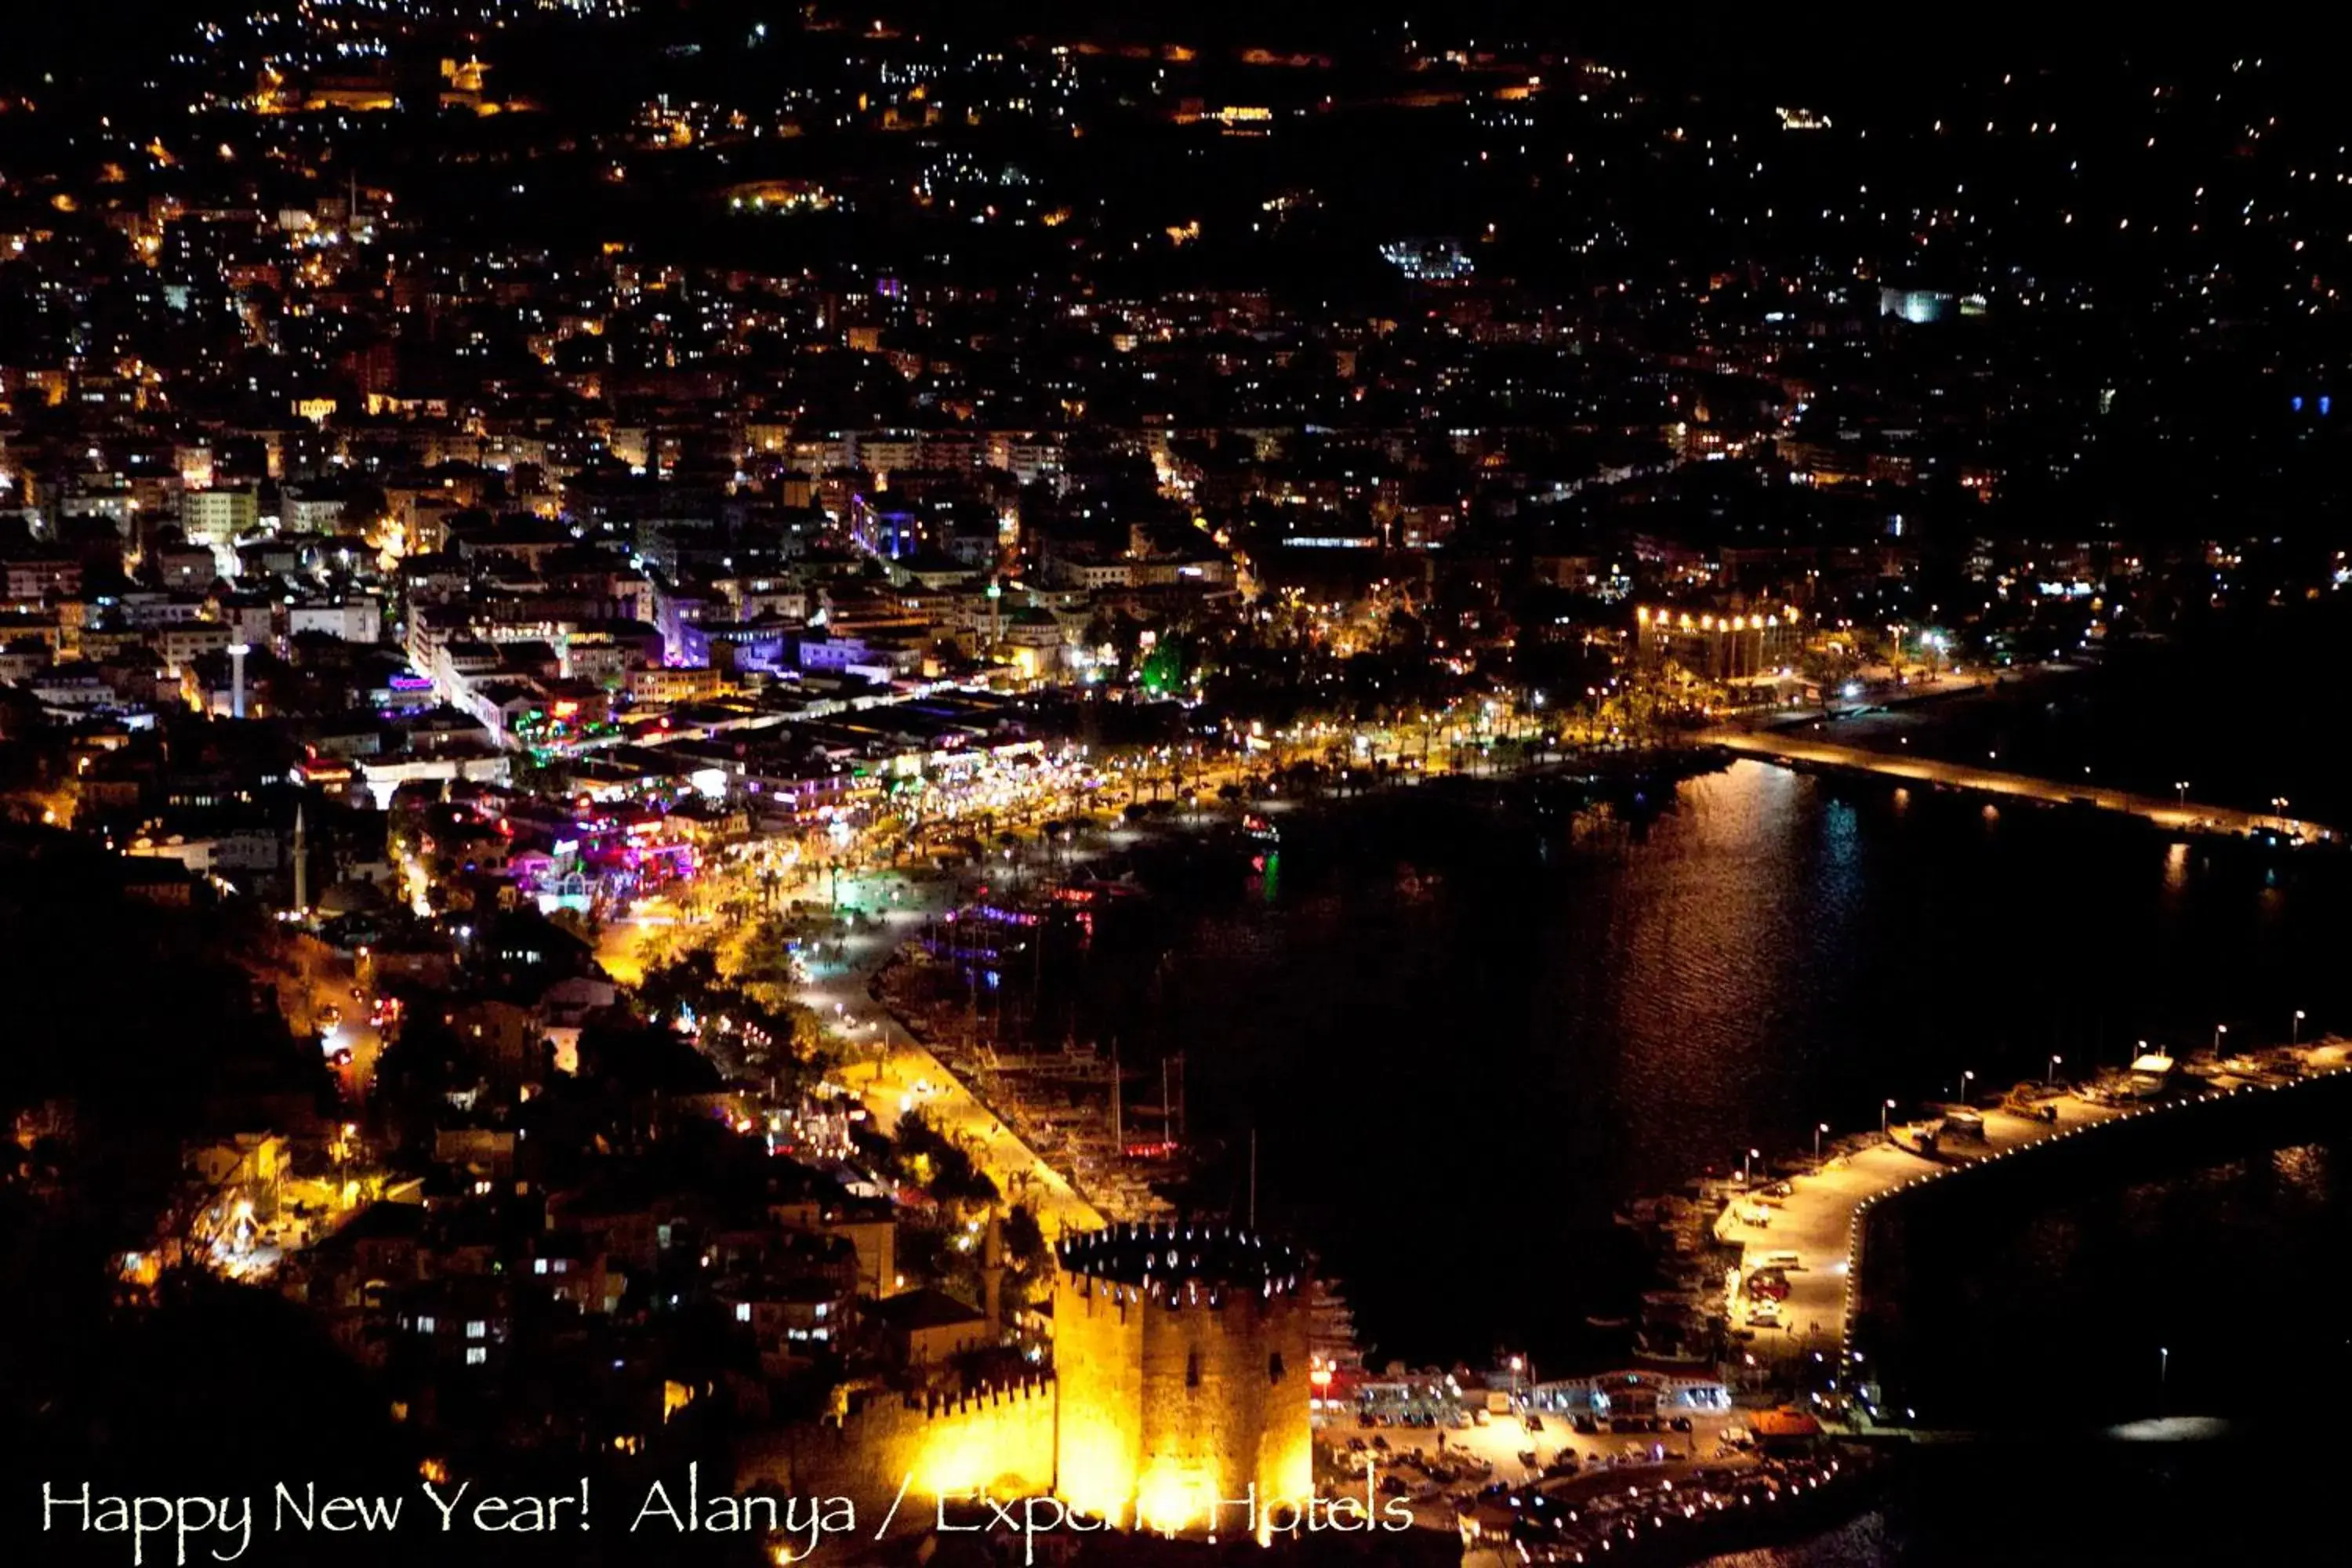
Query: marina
{"type": "Point", "coordinates": [1788, 1303]}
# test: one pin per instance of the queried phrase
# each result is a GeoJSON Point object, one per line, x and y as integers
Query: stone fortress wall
{"type": "Point", "coordinates": [999, 1441]}
{"type": "Point", "coordinates": [1180, 1390]}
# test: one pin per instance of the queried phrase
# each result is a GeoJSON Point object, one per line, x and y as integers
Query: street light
{"type": "Point", "coordinates": [2163, 1364]}
{"type": "Point", "coordinates": [1819, 1127]}
{"type": "Point", "coordinates": [1746, 1169]}
{"type": "Point", "coordinates": [2182, 785]}
{"type": "Point", "coordinates": [1882, 1117]}
{"type": "Point", "coordinates": [2218, 1030]}
{"type": "Point", "coordinates": [1965, 1079]}
{"type": "Point", "coordinates": [2295, 1030]}
{"type": "Point", "coordinates": [2051, 1077]}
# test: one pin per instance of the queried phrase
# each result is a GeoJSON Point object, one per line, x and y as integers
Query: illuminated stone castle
{"type": "Point", "coordinates": [1180, 1355]}
{"type": "Point", "coordinates": [1180, 1388]}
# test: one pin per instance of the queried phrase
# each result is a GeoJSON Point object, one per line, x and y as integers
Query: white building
{"type": "Point", "coordinates": [354, 618]}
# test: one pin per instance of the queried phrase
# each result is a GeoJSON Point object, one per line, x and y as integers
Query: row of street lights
{"type": "Point", "coordinates": [2049, 1078]}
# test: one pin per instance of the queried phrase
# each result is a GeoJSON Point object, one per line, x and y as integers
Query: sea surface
{"type": "Point", "coordinates": [2242, 1493]}
{"type": "Point", "coordinates": [1464, 1037]}
{"type": "Point", "coordinates": [1463, 1034]}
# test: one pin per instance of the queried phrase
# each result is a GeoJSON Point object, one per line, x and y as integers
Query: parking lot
{"type": "Point", "coordinates": [1438, 1467]}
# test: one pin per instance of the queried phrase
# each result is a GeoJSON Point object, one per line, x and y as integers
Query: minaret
{"type": "Point", "coordinates": [302, 864]}
{"type": "Point", "coordinates": [991, 1277]}
{"type": "Point", "coordinates": [237, 652]}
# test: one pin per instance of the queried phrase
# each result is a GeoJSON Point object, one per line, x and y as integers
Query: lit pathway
{"type": "Point", "coordinates": [1819, 1220]}
{"type": "Point", "coordinates": [891, 1064]}
{"type": "Point", "coordinates": [2189, 816]}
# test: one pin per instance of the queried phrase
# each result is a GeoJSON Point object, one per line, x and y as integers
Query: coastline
{"type": "Point", "coordinates": [1823, 1218]}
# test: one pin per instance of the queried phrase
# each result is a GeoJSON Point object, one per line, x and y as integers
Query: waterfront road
{"type": "Point", "coordinates": [1815, 1222]}
{"type": "Point", "coordinates": [896, 1073]}
{"type": "Point", "coordinates": [887, 1067]}
{"type": "Point", "coordinates": [2186, 815]}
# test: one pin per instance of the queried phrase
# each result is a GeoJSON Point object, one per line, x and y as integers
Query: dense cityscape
{"type": "Point", "coordinates": [861, 753]}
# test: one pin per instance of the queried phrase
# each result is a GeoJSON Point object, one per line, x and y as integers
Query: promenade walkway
{"type": "Point", "coordinates": [896, 1073]}
{"type": "Point", "coordinates": [1819, 1222]}
{"type": "Point", "coordinates": [2185, 815]}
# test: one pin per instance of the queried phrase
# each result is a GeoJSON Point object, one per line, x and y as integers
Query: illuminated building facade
{"type": "Point", "coordinates": [1720, 646]}
{"type": "Point", "coordinates": [1182, 1371]}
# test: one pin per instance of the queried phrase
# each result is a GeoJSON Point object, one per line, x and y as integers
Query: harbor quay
{"type": "Point", "coordinates": [2181, 815]}
{"type": "Point", "coordinates": [1808, 1230]}
{"type": "Point", "coordinates": [895, 1073]}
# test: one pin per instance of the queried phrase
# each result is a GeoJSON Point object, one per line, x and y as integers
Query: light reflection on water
{"type": "Point", "coordinates": [1449, 1041]}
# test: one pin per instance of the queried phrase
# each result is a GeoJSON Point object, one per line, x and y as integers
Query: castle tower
{"type": "Point", "coordinates": [1181, 1362]}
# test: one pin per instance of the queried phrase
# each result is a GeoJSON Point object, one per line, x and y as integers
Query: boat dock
{"type": "Point", "coordinates": [2182, 816]}
{"type": "Point", "coordinates": [1814, 1232]}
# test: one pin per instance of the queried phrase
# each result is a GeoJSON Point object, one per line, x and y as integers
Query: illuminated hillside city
{"type": "Point", "coordinates": [743, 735]}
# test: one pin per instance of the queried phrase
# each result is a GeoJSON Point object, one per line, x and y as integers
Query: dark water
{"type": "Point", "coordinates": [2143, 1344]}
{"type": "Point", "coordinates": [1465, 1037]}
{"type": "Point", "coordinates": [2247, 1494]}
{"type": "Point", "coordinates": [1464, 1040]}
{"type": "Point", "coordinates": [2125, 1284]}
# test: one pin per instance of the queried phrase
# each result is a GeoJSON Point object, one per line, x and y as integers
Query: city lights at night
{"type": "Point", "coordinates": [1131, 784]}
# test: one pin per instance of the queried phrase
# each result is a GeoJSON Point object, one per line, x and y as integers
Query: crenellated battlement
{"type": "Point", "coordinates": [1181, 1353]}
{"type": "Point", "coordinates": [1183, 1264]}
{"type": "Point", "coordinates": [998, 1439]}
{"type": "Point", "coordinates": [935, 1406]}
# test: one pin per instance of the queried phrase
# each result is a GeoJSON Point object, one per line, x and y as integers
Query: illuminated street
{"type": "Point", "coordinates": [2178, 815]}
{"type": "Point", "coordinates": [1817, 1221]}
{"type": "Point", "coordinates": [977, 765]}
{"type": "Point", "coordinates": [896, 1074]}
